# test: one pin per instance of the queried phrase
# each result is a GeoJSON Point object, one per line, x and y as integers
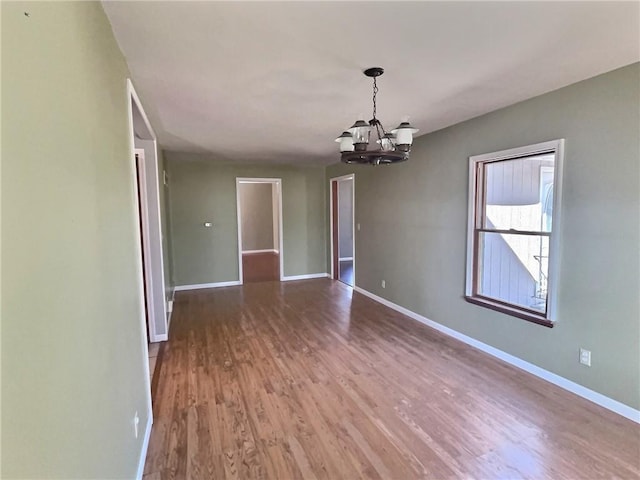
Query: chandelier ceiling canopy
{"type": "Point", "coordinates": [393, 146]}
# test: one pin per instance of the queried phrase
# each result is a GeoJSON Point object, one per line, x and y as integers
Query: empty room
{"type": "Point", "coordinates": [320, 240]}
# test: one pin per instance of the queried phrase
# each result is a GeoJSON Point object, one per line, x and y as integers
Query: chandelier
{"type": "Point", "coordinates": [393, 146]}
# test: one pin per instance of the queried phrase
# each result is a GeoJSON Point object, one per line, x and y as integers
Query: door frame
{"type": "Point", "coordinates": [332, 181]}
{"type": "Point", "coordinates": [134, 102]}
{"type": "Point", "coordinates": [143, 214]}
{"type": "Point", "coordinates": [153, 278]}
{"type": "Point", "coordinates": [277, 184]}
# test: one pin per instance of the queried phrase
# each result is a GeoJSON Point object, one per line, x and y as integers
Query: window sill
{"type": "Point", "coordinates": [529, 317]}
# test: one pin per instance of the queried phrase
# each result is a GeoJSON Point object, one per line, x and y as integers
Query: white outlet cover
{"type": "Point", "coordinates": [585, 357]}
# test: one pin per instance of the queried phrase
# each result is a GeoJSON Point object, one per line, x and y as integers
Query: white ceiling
{"type": "Point", "coordinates": [278, 81]}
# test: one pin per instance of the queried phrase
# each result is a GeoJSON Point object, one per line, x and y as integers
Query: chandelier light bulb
{"type": "Point", "coordinates": [404, 133]}
{"type": "Point", "coordinates": [387, 142]}
{"type": "Point", "coordinates": [361, 131]}
{"type": "Point", "coordinates": [346, 142]}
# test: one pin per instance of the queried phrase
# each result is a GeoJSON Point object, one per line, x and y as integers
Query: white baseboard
{"type": "Point", "coordinates": [345, 259]}
{"type": "Point", "coordinates": [170, 309]}
{"type": "Point", "coordinates": [584, 392]}
{"type": "Point", "coordinates": [169, 312]}
{"type": "Point", "coordinates": [269, 250]}
{"type": "Point", "coordinates": [197, 286]}
{"type": "Point", "coordinates": [145, 447]}
{"type": "Point", "coordinates": [159, 338]}
{"type": "Point", "coordinates": [304, 277]}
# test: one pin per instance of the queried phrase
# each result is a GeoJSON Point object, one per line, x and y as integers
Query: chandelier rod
{"type": "Point", "coordinates": [374, 121]}
{"type": "Point", "coordinates": [375, 94]}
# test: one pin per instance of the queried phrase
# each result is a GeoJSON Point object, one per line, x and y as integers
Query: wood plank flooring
{"type": "Point", "coordinates": [309, 380]}
{"type": "Point", "coordinates": [260, 267]}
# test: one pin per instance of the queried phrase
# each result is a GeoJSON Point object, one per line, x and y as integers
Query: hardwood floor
{"type": "Point", "coordinates": [309, 380]}
{"type": "Point", "coordinates": [260, 267]}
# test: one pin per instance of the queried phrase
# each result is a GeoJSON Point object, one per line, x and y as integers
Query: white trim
{"type": "Point", "coordinates": [584, 392]}
{"type": "Point", "coordinates": [131, 92]}
{"type": "Point", "coordinates": [160, 338]}
{"type": "Point", "coordinates": [239, 222]}
{"type": "Point", "coordinates": [352, 177]}
{"type": "Point", "coordinates": [145, 447]}
{"type": "Point", "coordinates": [146, 166]}
{"type": "Point", "coordinates": [131, 98]}
{"type": "Point", "coordinates": [471, 225]}
{"type": "Point", "coordinates": [277, 184]}
{"type": "Point", "coordinates": [555, 241]}
{"type": "Point", "coordinates": [305, 277]}
{"type": "Point", "coordinates": [256, 179]}
{"type": "Point", "coordinates": [344, 259]}
{"type": "Point", "coordinates": [348, 176]}
{"type": "Point", "coordinates": [143, 203]}
{"type": "Point", "coordinates": [198, 286]}
{"type": "Point", "coordinates": [157, 238]}
{"type": "Point", "coordinates": [170, 315]}
{"type": "Point", "coordinates": [331, 269]}
{"type": "Point", "coordinates": [151, 218]}
{"type": "Point", "coordinates": [268, 250]}
{"type": "Point", "coordinates": [275, 218]}
{"type": "Point", "coordinates": [555, 146]}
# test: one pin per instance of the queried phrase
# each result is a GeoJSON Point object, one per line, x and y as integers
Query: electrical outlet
{"type": "Point", "coordinates": [585, 357]}
{"type": "Point", "coordinates": [136, 422]}
{"type": "Point", "coordinates": [358, 227]}
{"type": "Point", "coordinates": [384, 284]}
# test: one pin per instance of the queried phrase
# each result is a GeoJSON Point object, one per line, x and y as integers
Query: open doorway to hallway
{"type": "Point", "coordinates": [259, 229]}
{"type": "Point", "coordinates": [342, 229]}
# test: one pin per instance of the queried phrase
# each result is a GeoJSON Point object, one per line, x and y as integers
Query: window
{"type": "Point", "coordinates": [512, 242]}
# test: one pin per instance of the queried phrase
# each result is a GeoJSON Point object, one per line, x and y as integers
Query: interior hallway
{"type": "Point", "coordinates": [346, 272]}
{"type": "Point", "coordinates": [309, 379]}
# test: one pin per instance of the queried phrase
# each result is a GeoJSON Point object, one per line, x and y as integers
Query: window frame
{"type": "Point", "coordinates": [476, 209]}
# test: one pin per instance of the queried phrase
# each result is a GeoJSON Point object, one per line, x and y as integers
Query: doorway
{"type": "Point", "coordinates": [343, 245]}
{"type": "Point", "coordinates": [146, 185]}
{"type": "Point", "coordinates": [259, 207]}
{"type": "Point", "coordinates": [144, 240]}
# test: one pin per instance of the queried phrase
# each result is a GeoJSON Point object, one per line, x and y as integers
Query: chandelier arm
{"type": "Point", "coordinates": [378, 127]}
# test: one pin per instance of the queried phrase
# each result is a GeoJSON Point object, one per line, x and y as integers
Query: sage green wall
{"type": "Point", "coordinates": [413, 220]}
{"type": "Point", "coordinates": [204, 190]}
{"type": "Point", "coordinates": [73, 372]}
